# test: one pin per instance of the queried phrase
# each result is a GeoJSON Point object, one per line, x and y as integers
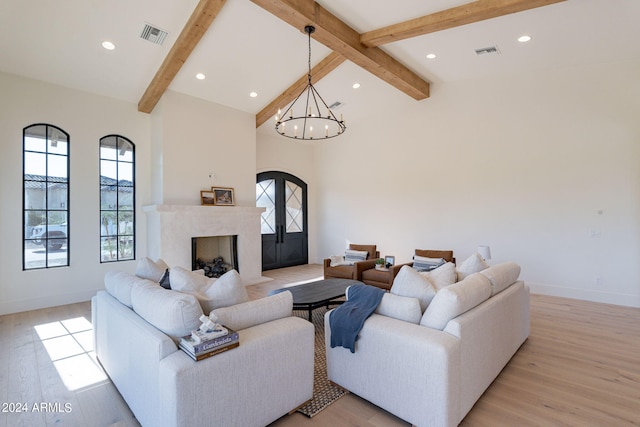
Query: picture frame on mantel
{"type": "Point", "coordinates": [207, 198]}
{"type": "Point", "coordinates": [223, 196]}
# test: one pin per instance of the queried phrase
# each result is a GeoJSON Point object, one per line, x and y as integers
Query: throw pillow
{"type": "Point", "coordinates": [151, 270]}
{"type": "Point", "coordinates": [401, 308]}
{"type": "Point", "coordinates": [452, 301]}
{"type": "Point", "coordinates": [473, 264]}
{"type": "Point", "coordinates": [212, 293]}
{"type": "Point", "coordinates": [184, 280]}
{"type": "Point", "coordinates": [337, 260]}
{"type": "Point", "coordinates": [227, 290]}
{"type": "Point", "coordinates": [409, 283]}
{"type": "Point", "coordinates": [256, 312]}
{"type": "Point", "coordinates": [174, 313]}
{"type": "Point", "coordinates": [422, 263]}
{"type": "Point", "coordinates": [442, 276]}
{"type": "Point", "coordinates": [355, 256]}
{"type": "Point", "coordinates": [164, 280]}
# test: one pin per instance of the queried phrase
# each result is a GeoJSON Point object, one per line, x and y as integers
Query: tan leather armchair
{"type": "Point", "coordinates": [384, 278]}
{"type": "Point", "coordinates": [354, 271]}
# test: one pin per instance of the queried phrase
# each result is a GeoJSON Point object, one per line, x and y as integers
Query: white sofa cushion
{"type": "Point", "coordinates": [212, 293]}
{"type": "Point", "coordinates": [401, 308]}
{"type": "Point", "coordinates": [473, 264]}
{"type": "Point", "coordinates": [174, 313]}
{"type": "Point", "coordinates": [452, 301]}
{"type": "Point", "coordinates": [151, 270]}
{"type": "Point", "coordinates": [410, 283]}
{"type": "Point", "coordinates": [120, 283]}
{"type": "Point", "coordinates": [256, 312]}
{"type": "Point", "coordinates": [442, 276]}
{"type": "Point", "coordinates": [502, 276]}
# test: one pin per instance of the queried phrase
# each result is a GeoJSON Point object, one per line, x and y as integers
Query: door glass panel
{"type": "Point", "coordinates": [265, 198]}
{"type": "Point", "coordinates": [293, 199]}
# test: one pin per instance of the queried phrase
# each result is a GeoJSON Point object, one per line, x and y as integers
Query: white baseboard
{"type": "Point", "coordinates": [585, 294]}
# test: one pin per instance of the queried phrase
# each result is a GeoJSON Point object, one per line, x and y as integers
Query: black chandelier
{"type": "Point", "coordinates": [312, 121]}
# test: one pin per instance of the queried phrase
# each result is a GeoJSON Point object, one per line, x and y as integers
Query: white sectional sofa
{"type": "Point", "coordinates": [429, 366]}
{"type": "Point", "coordinates": [137, 324]}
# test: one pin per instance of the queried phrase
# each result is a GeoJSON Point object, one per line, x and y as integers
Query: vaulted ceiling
{"type": "Point", "coordinates": [258, 46]}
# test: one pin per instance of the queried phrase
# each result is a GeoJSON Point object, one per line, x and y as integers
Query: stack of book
{"type": "Point", "coordinates": [208, 345]}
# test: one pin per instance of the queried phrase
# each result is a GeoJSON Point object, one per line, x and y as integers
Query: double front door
{"type": "Point", "coordinates": [284, 223]}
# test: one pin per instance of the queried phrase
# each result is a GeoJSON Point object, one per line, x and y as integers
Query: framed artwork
{"type": "Point", "coordinates": [223, 196]}
{"type": "Point", "coordinates": [207, 197]}
{"type": "Point", "coordinates": [389, 260]}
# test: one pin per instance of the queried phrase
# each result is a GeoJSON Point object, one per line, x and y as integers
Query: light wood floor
{"type": "Point", "coordinates": [579, 367]}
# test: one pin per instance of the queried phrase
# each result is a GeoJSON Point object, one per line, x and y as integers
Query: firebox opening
{"type": "Point", "coordinates": [214, 254]}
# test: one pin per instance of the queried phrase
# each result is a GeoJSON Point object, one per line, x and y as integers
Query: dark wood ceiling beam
{"type": "Point", "coordinates": [339, 37]}
{"type": "Point", "coordinates": [469, 13]}
{"type": "Point", "coordinates": [324, 67]}
{"type": "Point", "coordinates": [200, 20]}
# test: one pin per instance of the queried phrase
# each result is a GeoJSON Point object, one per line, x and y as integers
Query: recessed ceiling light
{"type": "Point", "coordinates": [356, 85]}
{"type": "Point", "coordinates": [253, 94]}
{"type": "Point", "coordinates": [108, 45]}
{"type": "Point", "coordinates": [524, 39]}
{"type": "Point", "coordinates": [200, 76]}
{"type": "Point", "coordinates": [431, 56]}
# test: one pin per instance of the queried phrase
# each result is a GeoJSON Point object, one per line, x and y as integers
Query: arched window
{"type": "Point", "coordinates": [117, 199]}
{"type": "Point", "coordinates": [45, 197]}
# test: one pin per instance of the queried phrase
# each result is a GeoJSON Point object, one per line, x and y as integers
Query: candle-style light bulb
{"type": "Point", "coordinates": [311, 131]}
{"type": "Point", "coordinates": [326, 130]}
{"type": "Point", "coordinates": [295, 131]}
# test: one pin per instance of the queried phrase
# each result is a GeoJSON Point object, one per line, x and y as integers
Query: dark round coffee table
{"type": "Point", "coordinates": [321, 293]}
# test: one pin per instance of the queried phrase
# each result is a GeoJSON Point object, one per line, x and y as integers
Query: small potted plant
{"type": "Point", "coordinates": [380, 264]}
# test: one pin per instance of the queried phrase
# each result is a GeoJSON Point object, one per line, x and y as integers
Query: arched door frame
{"type": "Point", "coordinates": [285, 238]}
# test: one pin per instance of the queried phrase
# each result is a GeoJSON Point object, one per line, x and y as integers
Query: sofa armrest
{"type": "Point", "coordinates": [409, 370]}
{"type": "Point", "coordinates": [236, 387]}
{"type": "Point", "coordinates": [251, 313]}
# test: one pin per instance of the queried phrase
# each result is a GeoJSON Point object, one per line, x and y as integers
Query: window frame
{"type": "Point", "coordinates": [48, 179]}
{"type": "Point", "coordinates": [117, 209]}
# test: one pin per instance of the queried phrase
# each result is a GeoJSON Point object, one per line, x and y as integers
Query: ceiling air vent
{"type": "Point", "coordinates": [487, 50]}
{"type": "Point", "coordinates": [336, 105]}
{"type": "Point", "coordinates": [153, 34]}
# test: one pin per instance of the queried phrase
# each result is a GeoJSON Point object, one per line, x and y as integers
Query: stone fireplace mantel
{"type": "Point", "coordinates": [171, 227]}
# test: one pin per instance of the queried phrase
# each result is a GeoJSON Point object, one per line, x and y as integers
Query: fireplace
{"type": "Point", "coordinates": [170, 229]}
{"type": "Point", "coordinates": [214, 254]}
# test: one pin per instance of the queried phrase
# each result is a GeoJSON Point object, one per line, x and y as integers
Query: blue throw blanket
{"type": "Point", "coordinates": [347, 320]}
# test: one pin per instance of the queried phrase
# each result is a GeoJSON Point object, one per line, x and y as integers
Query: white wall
{"type": "Point", "coordinates": [193, 138]}
{"type": "Point", "coordinates": [86, 118]}
{"type": "Point", "coordinates": [524, 164]}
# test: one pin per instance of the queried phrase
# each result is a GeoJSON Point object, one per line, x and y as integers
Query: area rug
{"type": "Point", "coordinates": [324, 393]}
